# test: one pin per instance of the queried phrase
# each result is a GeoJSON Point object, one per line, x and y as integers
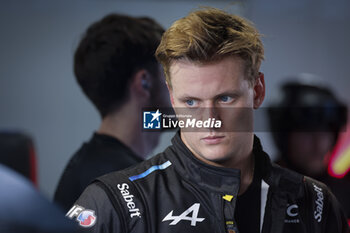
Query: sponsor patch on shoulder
{"type": "Point", "coordinates": [85, 217]}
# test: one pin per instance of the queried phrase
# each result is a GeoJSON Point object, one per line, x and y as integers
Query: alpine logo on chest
{"type": "Point", "coordinates": [185, 216]}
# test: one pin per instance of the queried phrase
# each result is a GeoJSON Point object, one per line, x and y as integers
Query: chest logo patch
{"type": "Point", "coordinates": [292, 214]}
{"type": "Point", "coordinates": [292, 210]}
{"type": "Point", "coordinates": [194, 209]}
{"type": "Point", "coordinates": [85, 217]}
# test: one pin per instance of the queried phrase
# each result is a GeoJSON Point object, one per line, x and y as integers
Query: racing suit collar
{"type": "Point", "coordinates": [217, 179]}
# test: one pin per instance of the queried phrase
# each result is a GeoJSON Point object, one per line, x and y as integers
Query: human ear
{"type": "Point", "coordinates": [259, 90]}
{"type": "Point", "coordinates": [141, 84]}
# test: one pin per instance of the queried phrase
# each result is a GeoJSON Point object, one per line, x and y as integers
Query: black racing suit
{"type": "Point", "coordinates": [175, 192]}
{"type": "Point", "coordinates": [102, 154]}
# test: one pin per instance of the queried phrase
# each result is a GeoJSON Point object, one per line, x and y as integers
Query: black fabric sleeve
{"type": "Point", "coordinates": [336, 220]}
{"type": "Point", "coordinates": [95, 200]}
{"type": "Point", "coordinates": [324, 211]}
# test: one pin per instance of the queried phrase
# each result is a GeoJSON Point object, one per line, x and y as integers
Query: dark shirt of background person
{"type": "Point", "coordinates": [115, 67]}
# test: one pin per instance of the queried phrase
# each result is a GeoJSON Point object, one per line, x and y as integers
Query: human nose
{"type": "Point", "coordinates": [210, 111]}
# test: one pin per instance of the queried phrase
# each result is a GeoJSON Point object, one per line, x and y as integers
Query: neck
{"type": "Point", "coordinates": [124, 126]}
{"type": "Point", "coordinates": [245, 163]}
{"type": "Point", "coordinates": [243, 160]}
{"type": "Point", "coordinates": [247, 173]}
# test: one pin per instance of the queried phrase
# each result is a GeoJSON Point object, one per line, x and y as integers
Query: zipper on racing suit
{"type": "Point", "coordinates": [228, 203]}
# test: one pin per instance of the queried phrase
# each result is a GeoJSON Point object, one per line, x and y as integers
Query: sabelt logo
{"type": "Point", "coordinates": [319, 203]}
{"type": "Point", "coordinates": [128, 198]}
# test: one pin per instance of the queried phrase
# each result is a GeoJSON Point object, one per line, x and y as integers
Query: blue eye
{"type": "Point", "coordinates": [190, 102]}
{"type": "Point", "coordinates": [225, 98]}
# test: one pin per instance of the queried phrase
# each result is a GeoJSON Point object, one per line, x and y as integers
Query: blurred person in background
{"type": "Point", "coordinates": [306, 121]}
{"type": "Point", "coordinates": [25, 210]}
{"type": "Point", "coordinates": [115, 66]}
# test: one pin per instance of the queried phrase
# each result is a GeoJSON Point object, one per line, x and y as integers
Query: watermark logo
{"type": "Point", "coordinates": [184, 119]}
{"type": "Point", "coordinates": [152, 119]}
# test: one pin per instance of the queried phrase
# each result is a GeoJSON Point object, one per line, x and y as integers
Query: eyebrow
{"type": "Point", "coordinates": [188, 97]}
{"type": "Point", "coordinates": [233, 93]}
{"type": "Point", "coordinates": [228, 93]}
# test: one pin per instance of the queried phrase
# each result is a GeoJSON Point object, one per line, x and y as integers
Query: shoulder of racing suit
{"type": "Point", "coordinates": [174, 192]}
{"type": "Point", "coordinates": [309, 205]}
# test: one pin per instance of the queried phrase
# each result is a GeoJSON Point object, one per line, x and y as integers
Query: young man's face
{"type": "Point", "coordinates": [217, 87]}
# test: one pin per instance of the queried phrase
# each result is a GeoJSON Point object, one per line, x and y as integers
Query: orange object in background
{"type": "Point", "coordinates": [339, 164]}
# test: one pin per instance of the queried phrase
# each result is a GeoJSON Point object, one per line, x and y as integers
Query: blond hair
{"type": "Point", "coordinates": [208, 35]}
